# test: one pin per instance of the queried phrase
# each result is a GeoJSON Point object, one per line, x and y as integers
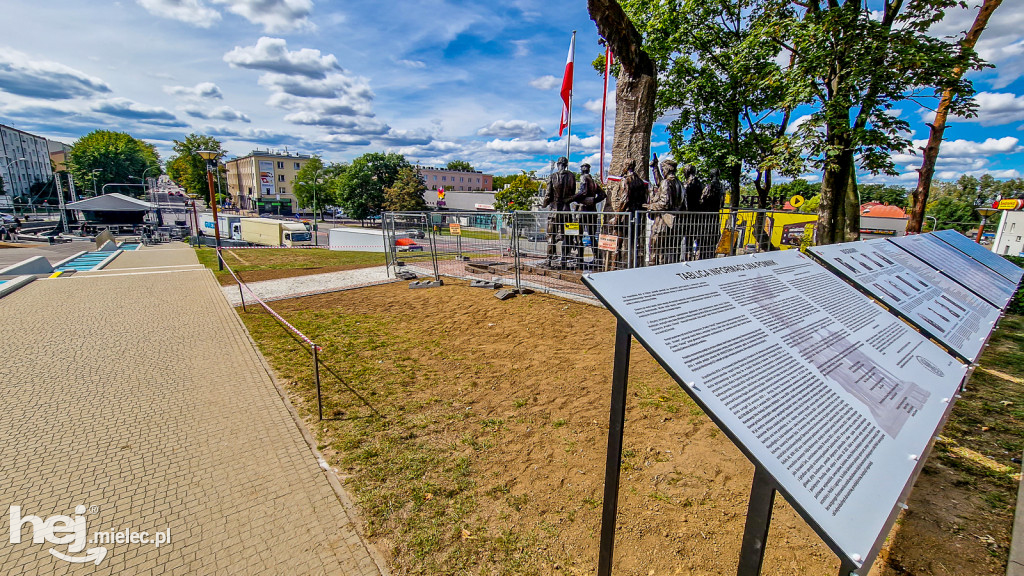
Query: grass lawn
{"type": "Point", "coordinates": [265, 264]}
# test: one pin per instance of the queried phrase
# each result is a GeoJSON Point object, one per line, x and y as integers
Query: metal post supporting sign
{"type": "Point", "coordinates": [613, 464]}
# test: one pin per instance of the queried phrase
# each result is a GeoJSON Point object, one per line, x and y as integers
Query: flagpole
{"type": "Point", "coordinates": [604, 102]}
{"type": "Point", "coordinates": [568, 124]}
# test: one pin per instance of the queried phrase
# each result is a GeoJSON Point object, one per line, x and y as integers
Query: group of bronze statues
{"type": "Point", "coordinates": [685, 216]}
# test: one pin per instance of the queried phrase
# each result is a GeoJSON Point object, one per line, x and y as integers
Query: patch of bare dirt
{"type": "Point", "coordinates": [541, 366]}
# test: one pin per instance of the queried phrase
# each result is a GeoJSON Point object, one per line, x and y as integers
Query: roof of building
{"type": "Point", "coordinates": [112, 202]}
{"type": "Point", "coordinates": [879, 210]}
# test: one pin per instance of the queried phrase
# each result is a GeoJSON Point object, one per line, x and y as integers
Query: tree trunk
{"type": "Point", "coordinates": [635, 88]}
{"type": "Point", "coordinates": [938, 127]}
{"type": "Point", "coordinates": [835, 182]}
{"type": "Point", "coordinates": [852, 209]}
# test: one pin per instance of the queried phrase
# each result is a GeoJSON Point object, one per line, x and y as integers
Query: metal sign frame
{"type": "Point", "coordinates": [764, 486]}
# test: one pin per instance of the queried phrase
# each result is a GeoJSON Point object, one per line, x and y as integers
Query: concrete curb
{"type": "Point", "coordinates": [1015, 564]}
{"type": "Point", "coordinates": [12, 285]}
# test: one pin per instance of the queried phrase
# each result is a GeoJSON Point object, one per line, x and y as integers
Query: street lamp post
{"type": "Point", "coordinates": [93, 173]}
{"type": "Point", "coordinates": [985, 213]}
{"type": "Point", "coordinates": [316, 239]}
{"type": "Point", "coordinates": [211, 164]}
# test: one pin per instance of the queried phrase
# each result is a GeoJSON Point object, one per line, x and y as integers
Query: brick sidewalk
{"type": "Point", "coordinates": [178, 427]}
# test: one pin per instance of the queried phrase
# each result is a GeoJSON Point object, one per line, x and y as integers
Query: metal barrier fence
{"type": "Point", "coordinates": [550, 251]}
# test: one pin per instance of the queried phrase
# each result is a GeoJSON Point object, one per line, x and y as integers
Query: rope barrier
{"type": "Point", "coordinates": [241, 284]}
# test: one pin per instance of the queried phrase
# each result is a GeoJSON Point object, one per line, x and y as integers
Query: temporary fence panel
{"type": "Point", "coordinates": [550, 251]}
{"type": "Point", "coordinates": [409, 242]}
{"type": "Point", "coordinates": [475, 245]}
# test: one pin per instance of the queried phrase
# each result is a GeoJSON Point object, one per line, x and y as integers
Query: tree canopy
{"type": "Point", "coordinates": [360, 188]}
{"type": "Point", "coordinates": [460, 165]}
{"type": "Point", "coordinates": [853, 65]}
{"type": "Point", "coordinates": [518, 195]}
{"type": "Point", "coordinates": [188, 168]}
{"type": "Point", "coordinates": [406, 194]}
{"type": "Point", "coordinates": [311, 186]}
{"type": "Point", "coordinates": [114, 157]}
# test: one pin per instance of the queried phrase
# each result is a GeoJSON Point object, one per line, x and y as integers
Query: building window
{"type": "Point", "coordinates": [461, 179]}
{"type": "Point", "coordinates": [297, 167]}
{"type": "Point", "coordinates": [281, 190]}
{"type": "Point", "coordinates": [435, 177]}
{"type": "Point", "coordinates": [445, 178]}
{"type": "Point", "coordinates": [280, 165]}
{"type": "Point", "coordinates": [280, 177]}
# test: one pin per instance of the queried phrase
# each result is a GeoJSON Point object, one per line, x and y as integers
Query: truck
{"type": "Point", "coordinates": [229, 228]}
{"type": "Point", "coordinates": [270, 232]}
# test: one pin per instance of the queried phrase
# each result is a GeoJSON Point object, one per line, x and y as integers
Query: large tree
{"type": "Point", "coordinates": [726, 118]}
{"type": "Point", "coordinates": [312, 185]}
{"type": "Point", "coordinates": [113, 158]}
{"type": "Point", "coordinates": [360, 188]}
{"type": "Point", "coordinates": [188, 168]}
{"type": "Point", "coordinates": [518, 195]}
{"type": "Point", "coordinates": [854, 64]}
{"type": "Point", "coordinates": [635, 88]}
{"type": "Point", "coordinates": [406, 194]}
{"type": "Point", "coordinates": [938, 125]}
{"type": "Point", "coordinates": [460, 165]}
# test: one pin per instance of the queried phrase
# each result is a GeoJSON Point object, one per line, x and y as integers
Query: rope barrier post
{"type": "Point", "coordinates": [316, 376]}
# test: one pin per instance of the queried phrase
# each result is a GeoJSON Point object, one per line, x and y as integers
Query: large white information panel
{"type": "Point", "coordinates": [936, 304]}
{"type": "Point", "coordinates": [977, 277]}
{"type": "Point", "coordinates": [829, 393]}
{"type": "Point", "coordinates": [1004, 267]}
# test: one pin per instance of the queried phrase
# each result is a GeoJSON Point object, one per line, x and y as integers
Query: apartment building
{"type": "Point", "coordinates": [263, 180]}
{"type": "Point", "coordinates": [24, 160]}
{"type": "Point", "coordinates": [455, 180]}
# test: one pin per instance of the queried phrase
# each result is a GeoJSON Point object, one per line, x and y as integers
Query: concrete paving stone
{"type": "Point", "coordinates": [126, 397]}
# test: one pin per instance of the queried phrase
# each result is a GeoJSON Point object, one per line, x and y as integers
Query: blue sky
{"type": "Point", "coordinates": [436, 80]}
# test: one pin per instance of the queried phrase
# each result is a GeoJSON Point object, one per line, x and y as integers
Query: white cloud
{"type": "Point", "coordinates": [272, 55]}
{"type": "Point", "coordinates": [413, 63]}
{"type": "Point", "coordinates": [996, 109]}
{"type": "Point", "coordinates": [222, 113]}
{"type": "Point", "coordinates": [193, 12]}
{"type": "Point", "coordinates": [595, 105]}
{"type": "Point", "coordinates": [197, 92]}
{"type": "Point", "coordinates": [512, 129]}
{"type": "Point", "coordinates": [795, 124]}
{"type": "Point", "coordinates": [275, 16]}
{"type": "Point", "coordinates": [23, 76]}
{"type": "Point", "coordinates": [545, 83]}
{"type": "Point", "coordinates": [1002, 42]}
{"type": "Point", "coordinates": [960, 148]}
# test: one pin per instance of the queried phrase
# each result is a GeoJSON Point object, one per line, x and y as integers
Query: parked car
{"type": "Point", "coordinates": [9, 219]}
{"type": "Point", "coordinates": [414, 233]}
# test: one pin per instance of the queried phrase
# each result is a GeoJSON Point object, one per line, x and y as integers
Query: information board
{"type": "Point", "coordinates": [834, 397]}
{"type": "Point", "coordinates": [940, 307]}
{"type": "Point", "coordinates": [1004, 267]}
{"type": "Point", "coordinates": [970, 273]}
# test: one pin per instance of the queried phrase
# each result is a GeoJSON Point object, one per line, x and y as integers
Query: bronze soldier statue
{"type": "Point", "coordinates": [710, 205]}
{"type": "Point", "coordinates": [628, 196]}
{"type": "Point", "coordinates": [692, 225]}
{"type": "Point", "coordinates": [559, 195]}
{"type": "Point", "coordinates": [665, 241]}
{"type": "Point", "coordinates": [586, 200]}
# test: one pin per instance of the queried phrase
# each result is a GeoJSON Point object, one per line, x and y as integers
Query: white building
{"type": "Point", "coordinates": [1010, 234]}
{"type": "Point", "coordinates": [24, 160]}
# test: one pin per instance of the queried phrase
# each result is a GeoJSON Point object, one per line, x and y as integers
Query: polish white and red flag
{"type": "Point", "coordinates": [567, 87]}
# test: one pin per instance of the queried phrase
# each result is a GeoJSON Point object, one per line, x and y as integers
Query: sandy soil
{"type": "Point", "coordinates": [542, 365]}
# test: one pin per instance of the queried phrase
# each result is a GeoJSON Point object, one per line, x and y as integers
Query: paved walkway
{"type": "Point", "coordinates": [311, 284]}
{"type": "Point", "coordinates": [178, 428]}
